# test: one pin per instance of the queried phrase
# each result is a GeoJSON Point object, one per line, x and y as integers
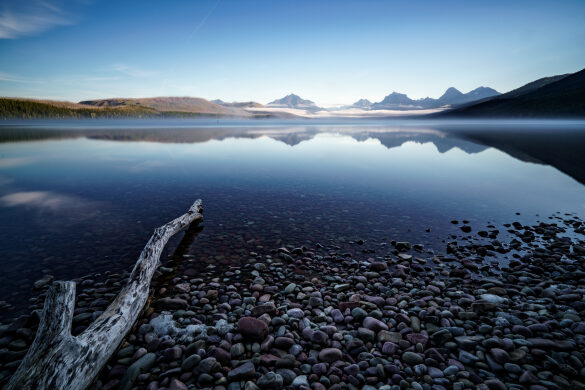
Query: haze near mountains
{"type": "Point", "coordinates": [394, 101]}
{"type": "Point", "coordinates": [293, 101]}
{"type": "Point", "coordinates": [556, 96]}
{"type": "Point", "coordinates": [451, 97]}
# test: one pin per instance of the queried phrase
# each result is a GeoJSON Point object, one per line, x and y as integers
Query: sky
{"type": "Point", "coordinates": [331, 52]}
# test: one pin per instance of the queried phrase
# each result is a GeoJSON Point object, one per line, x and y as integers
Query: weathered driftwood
{"type": "Point", "coordinates": [58, 360]}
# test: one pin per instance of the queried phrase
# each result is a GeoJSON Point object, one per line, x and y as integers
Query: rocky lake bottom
{"type": "Point", "coordinates": [368, 314]}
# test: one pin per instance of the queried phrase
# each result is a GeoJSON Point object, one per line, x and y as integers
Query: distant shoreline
{"type": "Point", "coordinates": [557, 97]}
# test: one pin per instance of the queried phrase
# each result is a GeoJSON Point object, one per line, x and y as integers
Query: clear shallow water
{"type": "Point", "coordinates": [77, 199]}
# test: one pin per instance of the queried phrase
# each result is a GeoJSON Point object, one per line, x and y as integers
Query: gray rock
{"type": "Point", "coordinates": [295, 313]}
{"type": "Point", "coordinates": [140, 366]}
{"type": "Point", "coordinates": [374, 324]}
{"type": "Point", "coordinates": [389, 348]}
{"type": "Point", "coordinates": [315, 302]}
{"type": "Point", "coordinates": [330, 355]}
{"type": "Point", "coordinates": [412, 358]}
{"type": "Point", "coordinates": [319, 337]}
{"type": "Point", "coordinates": [415, 324]}
{"type": "Point", "coordinates": [237, 350]}
{"type": "Point", "coordinates": [528, 378]}
{"type": "Point", "coordinates": [223, 327]}
{"type": "Point", "coordinates": [495, 384]}
{"type": "Point", "coordinates": [358, 313]}
{"type": "Point", "coordinates": [243, 372]}
{"type": "Point", "coordinates": [177, 385]}
{"type": "Point", "coordinates": [299, 381]}
{"type": "Point", "coordinates": [251, 386]}
{"type": "Point", "coordinates": [44, 281]}
{"type": "Point", "coordinates": [337, 316]}
{"type": "Point", "coordinates": [320, 368]}
{"type": "Point", "coordinates": [467, 358]}
{"type": "Point", "coordinates": [441, 336]}
{"type": "Point", "coordinates": [467, 342]}
{"type": "Point", "coordinates": [207, 365]}
{"type": "Point", "coordinates": [191, 362]}
{"type": "Point", "coordinates": [492, 298]}
{"type": "Point", "coordinates": [270, 380]}
{"type": "Point", "coordinates": [352, 369]}
{"type": "Point", "coordinates": [513, 368]}
{"type": "Point", "coordinates": [434, 372]}
{"type": "Point", "coordinates": [290, 288]}
{"type": "Point", "coordinates": [451, 370]}
{"type": "Point", "coordinates": [287, 376]}
{"type": "Point", "coordinates": [499, 355]}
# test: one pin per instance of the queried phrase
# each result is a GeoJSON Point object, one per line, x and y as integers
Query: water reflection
{"type": "Point", "coordinates": [559, 144]}
{"type": "Point", "coordinates": [81, 198]}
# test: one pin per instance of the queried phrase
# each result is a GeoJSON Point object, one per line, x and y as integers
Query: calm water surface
{"type": "Point", "coordinates": [79, 198]}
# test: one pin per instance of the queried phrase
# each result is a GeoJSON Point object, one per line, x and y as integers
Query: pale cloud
{"type": "Point", "coordinates": [8, 77]}
{"type": "Point", "coordinates": [23, 18]}
{"type": "Point", "coordinates": [133, 71]}
{"type": "Point", "coordinates": [46, 200]}
{"type": "Point", "coordinates": [16, 161]}
{"type": "Point", "coordinates": [12, 78]}
{"type": "Point", "coordinates": [98, 78]}
{"type": "Point", "coordinates": [53, 202]}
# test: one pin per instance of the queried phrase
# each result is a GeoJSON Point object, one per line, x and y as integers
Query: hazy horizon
{"type": "Point", "coordinates": [330, 53]}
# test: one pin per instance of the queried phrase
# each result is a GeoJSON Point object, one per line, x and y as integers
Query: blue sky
{"type": "Point", "coordinates": [332, 52]}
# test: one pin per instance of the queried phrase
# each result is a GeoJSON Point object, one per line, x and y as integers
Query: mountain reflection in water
{"type": "Point", "coordinates": [559, 144]}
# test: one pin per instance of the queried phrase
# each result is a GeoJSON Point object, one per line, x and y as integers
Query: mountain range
{"type": "Point", "coordinates": [363, 104]}
{"type": "Point", "coordinates": [394, 101]}
{"type": "Point", "coordinates": [556, 96]}
{"type": "Point", "coordinates": [451, 97]}
{"type": "Point", "coordinates": [294, 101]}
{"type": "Point", "coordinates": [169, 104]}
{"type": "Point", "coordinates": [552, 97]}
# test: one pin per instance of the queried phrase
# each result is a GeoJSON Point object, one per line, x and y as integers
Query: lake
{"type": "Point", "coordinates": [78, 197]}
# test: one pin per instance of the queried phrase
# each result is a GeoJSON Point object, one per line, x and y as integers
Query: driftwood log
{"type": "Point", "coordinates": [58, 360]}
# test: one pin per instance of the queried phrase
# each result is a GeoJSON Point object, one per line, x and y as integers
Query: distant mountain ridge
{"type": "Point", "coordinates": [170, 104]}
{"type": "Point", "coordinates": [294, 101]}
{"type": "Point", "coordinates": [555, 96]}
{"type": "Point", "coordinates": [156, 107]}
{"type": "Point", "coordinates": [534, 85]}
{"type": "Point", "coordinates": [451, 97]}
{"type": "Point", "coordinates": [548, 97]}
{"type": "Point", "coordinates": [362, 103]}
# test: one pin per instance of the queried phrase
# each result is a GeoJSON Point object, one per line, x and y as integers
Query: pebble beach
{"type": "Point", "coordinates": [382, 315]}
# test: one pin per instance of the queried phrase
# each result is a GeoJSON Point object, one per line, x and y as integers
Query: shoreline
{"type": "Point", "coordinates": [399, 317]}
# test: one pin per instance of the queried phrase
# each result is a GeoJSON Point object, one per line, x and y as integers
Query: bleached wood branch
{"type": "Point", "coordinates": [58, 360]}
